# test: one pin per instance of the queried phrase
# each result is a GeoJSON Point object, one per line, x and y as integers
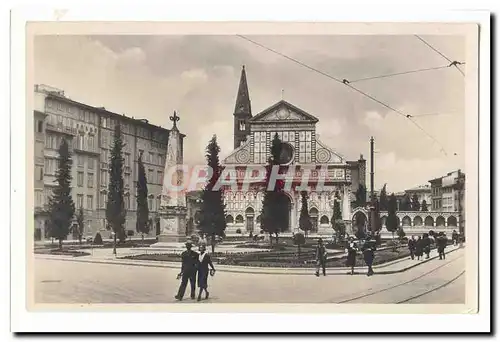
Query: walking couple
{"type": "Point", "coordinates": [195, 264]}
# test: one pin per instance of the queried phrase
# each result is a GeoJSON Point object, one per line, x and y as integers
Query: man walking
{"type": "Point", "coordinates": [189, 259]}
{"type": "Point", "coordinates": [412, 246]}
{"type": "Point", "coordinates": [369, 253]}
{"type": "Point", "coordinates": [320, 257]}
{"type": "Point", "coordinates": [441, 243]}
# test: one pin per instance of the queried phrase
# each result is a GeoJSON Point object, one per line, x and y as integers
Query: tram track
{"type": "Point", "coordinates": [432, 290]}
{"type": "Point", "coordinates": [373, 293]}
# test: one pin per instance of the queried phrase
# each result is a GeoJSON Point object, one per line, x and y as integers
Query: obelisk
{"type": "Point", "coordinates": [173, 209]}
{"type": "Point", "coordinates": [346, 209]}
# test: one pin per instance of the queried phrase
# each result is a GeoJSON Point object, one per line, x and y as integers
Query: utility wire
{"type": "Point", "coordinates": [346, 82]}
{"type": "Point", "coordinates": [290, 58]}
{"type": "Point", "coordinates": [399, 73]}
{"type": "Point", "coordinates": [452, 63]}
{"type": "Point", "coordinates": [433, 48]}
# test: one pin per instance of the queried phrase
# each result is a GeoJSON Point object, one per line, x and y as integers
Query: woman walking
{"type": "Point", "coordinates": [352, 251]}
{"type": "Point", "coordinates": [204, 262]}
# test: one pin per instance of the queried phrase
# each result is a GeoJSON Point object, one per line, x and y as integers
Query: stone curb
{"type": "Point", "coordinates": [252, 270]}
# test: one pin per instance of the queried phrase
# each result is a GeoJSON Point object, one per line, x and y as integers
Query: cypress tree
{"type": "Point", "coordinates": [415, 204]}
{"type": "Point", "coordinates": [80, 226]}
{"type": "Point", "coordinates": [424, 206]}
{"type": "Point", "coordinates": [383, 198]}
{"type": "Point", "coordinates": [391, 222]}
{"type": "Point", "coordinates": [115, 209]}
{"type": "Point", "coordinates": [336, 221]}
{"type": "Point", "coordinates": [212, 215]}
{"type": "Point", "coordinates": [274, 215]}
{"type": "Point", "coordinates": [61, 205]}
{"type": "Point", "coordinates": [304, 220]}
{"type": "Point", "coordinates": [142, 225]}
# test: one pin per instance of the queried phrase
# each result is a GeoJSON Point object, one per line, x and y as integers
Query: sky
{"type": "Point", "coordinates": [151, 76]}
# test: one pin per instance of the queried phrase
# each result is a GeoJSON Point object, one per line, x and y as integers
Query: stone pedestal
{"type": "Point", "coordinates": [172, 225]}
{"type": "Point", "coordinates": [348, 227]}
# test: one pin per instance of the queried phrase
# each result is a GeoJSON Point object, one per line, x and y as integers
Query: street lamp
{"type": "Point", "coordinates": [113, 235]}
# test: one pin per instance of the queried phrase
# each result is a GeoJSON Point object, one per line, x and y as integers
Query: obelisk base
{"type": "Point", "coordinates": [348, 227]}
{"type": "Point", "coordinates": [172, 225]}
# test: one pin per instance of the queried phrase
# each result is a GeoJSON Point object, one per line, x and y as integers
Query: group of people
{"type": "Point", "coordinates": [195, 264]}
{"type": "Point", "coordinates": [422, 245]}
{"type": "Point", "coordinates": [368, 249]}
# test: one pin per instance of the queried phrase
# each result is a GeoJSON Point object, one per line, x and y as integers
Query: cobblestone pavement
{"type": "Point", "coordinates": [59, 281]}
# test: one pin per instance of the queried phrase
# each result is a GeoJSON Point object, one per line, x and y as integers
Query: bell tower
{"type": "Point", "coordinates": [242, 111]}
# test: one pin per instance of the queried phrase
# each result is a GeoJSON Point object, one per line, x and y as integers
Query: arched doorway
{"type": "Point", "coordinates": [229, 219]}
{"type": "Point", "coordinates": [452, 221]}
{"type": "Point", "coordinates": [440, 221]}
{"type": "Point", "coordinates": [313, 214]}
{"type": "Point", "coordinates": [324, 220]}
{"type": "Point", "coordinates": [359, 224]}
{"type": "Point", "coordinates": [239, 219]}
{"type": "Point", "coordinates": [249, 214]}
{"type": "Point", "coordinates": [417, 221]}
{"type": "Point", "coordinates": [406, 221]}
{"type": "Point", "coordinates": [429, 221]}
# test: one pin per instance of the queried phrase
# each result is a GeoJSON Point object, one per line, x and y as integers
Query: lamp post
{"type": "Point", "coordinates": [113, 235]}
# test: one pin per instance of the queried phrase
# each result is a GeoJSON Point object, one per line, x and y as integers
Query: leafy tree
{"type": "Point", "coordinates": [336, 220]}
{"type": "Point", "coordinates": [299, 240]}
{"type": "Point", "coordinates": [405, 203]}
{"type": "Point", "coordinates": [383, 199]}
{"type": "Point", "coordinates": [61, 205]}
{"type": "Point", "coordinates": [142, 224]}
{"type": "Point", "coordinates": [305, 220]}
{"type": "Point", "coordinates": [424, 206]}
{"type": "Point", "coordinates": [212, 213]}
{"type": "Point", "coordinates": [415, 203]}
{"type": "Point", "coordinates": [274, 215]}
{"type": "Point", "coordinates": [391, 222]}
{"type": "Point", "coordinates": [361, 196]}
{"type": "Point", "coordinates": [115, 209]}
{"type": "Point", "coordinates": [80, 227]}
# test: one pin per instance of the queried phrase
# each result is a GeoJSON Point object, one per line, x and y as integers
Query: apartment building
{"type": "Point", "coordinates": [89, 132]}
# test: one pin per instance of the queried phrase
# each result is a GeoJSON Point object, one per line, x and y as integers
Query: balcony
{"type": "Point", "coordinates": [84, 149]}
{"type": "Point", "coordinates": [71, 131]}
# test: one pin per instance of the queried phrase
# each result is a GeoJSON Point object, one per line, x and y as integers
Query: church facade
{"type": "Point", "coordinates": [307, 160]}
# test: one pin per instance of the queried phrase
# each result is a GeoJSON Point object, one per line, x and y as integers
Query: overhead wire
{"type": "Point", "coordinates": [452, 63]}
{"type": "Point", "coordinates": [347, 83]}
{"type": "Point", "coordinates": [398, 74]}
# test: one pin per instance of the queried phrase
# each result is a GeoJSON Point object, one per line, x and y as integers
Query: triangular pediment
{"type": "Point", "coordinates": [283, 112]}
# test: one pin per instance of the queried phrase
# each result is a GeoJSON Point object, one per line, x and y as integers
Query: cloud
{"type": "Point", "coordinates": [151, 76]}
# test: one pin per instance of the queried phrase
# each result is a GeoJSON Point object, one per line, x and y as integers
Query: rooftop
{"type": "Point", "coordinates": [56, 93]}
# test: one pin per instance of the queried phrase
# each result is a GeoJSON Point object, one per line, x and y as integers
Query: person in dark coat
{"type": "Point", "coordinates": [189, 259]}
{"type": "Point", "coordinates": [441, 242]}
{"type": "Point", "coordinates": [368, 250]}
{"type": "Point", "coordinates": [454, 237]}
{"type": "Point", "coordinates": [352, 251]}
{"type": "Point", "coordinates": [426, 245]}
{"type": "Point", "coordinates": [204, 261]}
{"type": "Point", "coordinates": [412, 246]}
{"type": "Point", "coordinates": [419, 248]}
{"type": "Point", "coordinates": [320, 257]}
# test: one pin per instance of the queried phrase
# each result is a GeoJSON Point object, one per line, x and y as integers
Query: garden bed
{"type": "Point", "coordinates": [66, 252]}
{"type": "Point", "coordinates": [105, 244]}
